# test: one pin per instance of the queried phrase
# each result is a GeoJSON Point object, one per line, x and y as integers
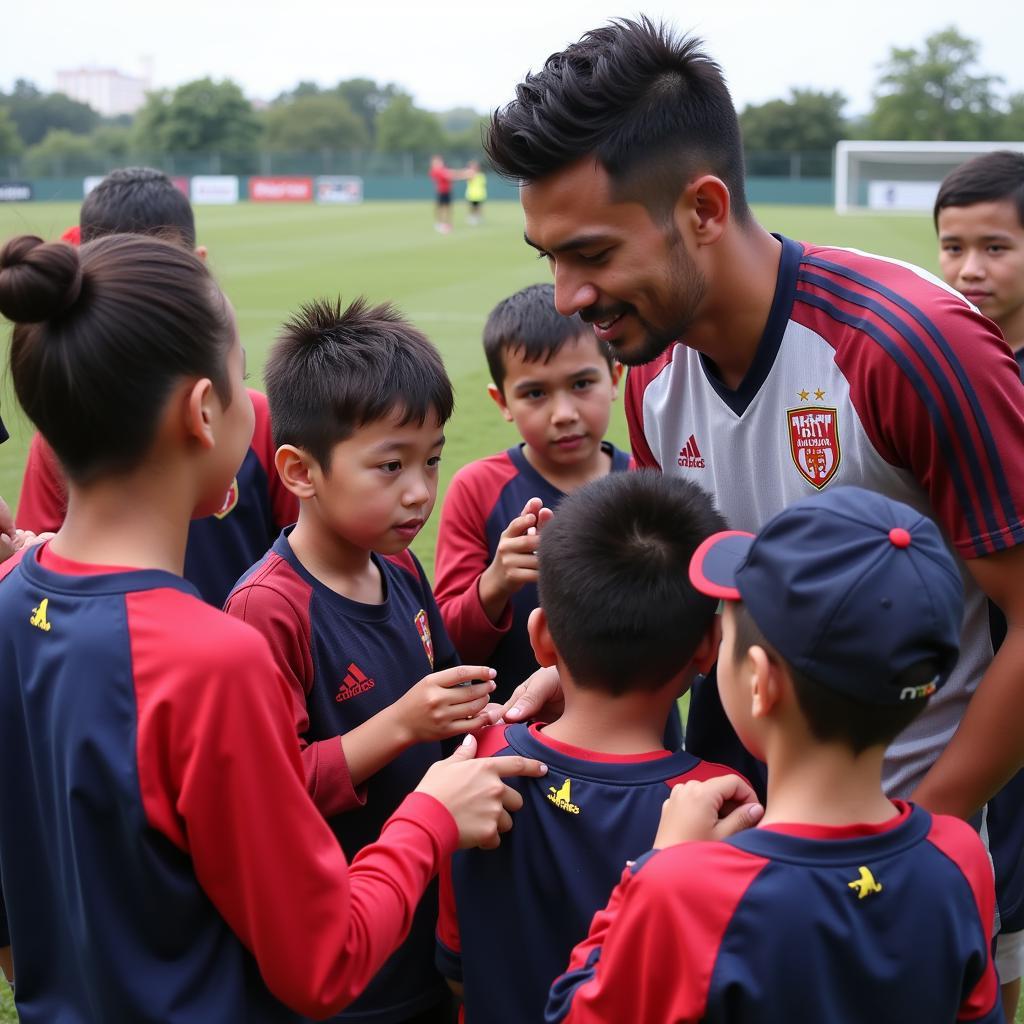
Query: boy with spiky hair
{"type": "Point", "coordinates": [551, 378]}
{"type": "Point", "coordinates": [359, 398]}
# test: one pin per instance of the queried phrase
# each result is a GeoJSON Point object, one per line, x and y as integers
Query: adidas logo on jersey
{"type": "Point", "coordinates": [38, 617]}
{"type": "Point", "coordinates": [356, 682]}
{"type": "Point", "coordinates": [562, 797]}
{"type": "Point", "coordinates": [690, 456]}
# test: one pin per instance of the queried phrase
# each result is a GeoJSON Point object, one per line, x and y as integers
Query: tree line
{"type": "Point", "coordinates": [934, 92]}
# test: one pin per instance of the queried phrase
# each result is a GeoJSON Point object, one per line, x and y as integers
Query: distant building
{"type": "Point", "coordinates": [106, 90]}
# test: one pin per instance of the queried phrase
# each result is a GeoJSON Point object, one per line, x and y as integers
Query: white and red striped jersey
{"type": "Point", "coordinates": [870, 372]}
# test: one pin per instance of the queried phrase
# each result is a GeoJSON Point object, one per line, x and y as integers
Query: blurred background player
{"type": "Point", "coordinates": [161, 810]}
{"type": "Point", "coordinates": [359, 400]}
{"type": "Point", "coordinates": [442, 178]}
{"type": "Point", "coordinates": [979, 219]}
{"type": "Point", "coordinates": [628, 632]}
{"type": "Point", "coordinates": [555, 382]}
{"type": "Point", "coordinates": [221, 546]}
{"type": "Point", "coordinates": [476, 192]}
{"type": "Point", "coordinates": [841, 905]}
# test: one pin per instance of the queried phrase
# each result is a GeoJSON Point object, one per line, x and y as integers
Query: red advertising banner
{"type": "Point", "coordinates": [281, 190]}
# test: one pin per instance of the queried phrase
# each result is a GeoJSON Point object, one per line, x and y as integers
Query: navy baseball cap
{"type": "Point", "coordinates": [850, 587]}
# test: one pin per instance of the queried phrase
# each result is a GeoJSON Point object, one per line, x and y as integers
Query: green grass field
{"type": "Point", "coordinates": [269, 259]}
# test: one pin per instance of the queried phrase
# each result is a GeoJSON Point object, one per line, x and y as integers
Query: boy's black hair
{"type": "Point", "coordinates": [528, 323]}
{"type": "Point", "coordinates": [652, 108]}
{"type": "Point", "coordinates": [138, 201]}
{"type": "Point", "coordinates": [985, 179]}
{"type": "Point", "coordinates": [332, 371]}
{"type": "Point", "coordinates": [831, 715]}
{"type": "Point", "coordinates": [614, 580]}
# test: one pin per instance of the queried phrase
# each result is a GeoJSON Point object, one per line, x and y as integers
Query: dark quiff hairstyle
{"type": "Point", "coordinates": [332, 371]}
{"type": "Point", "coordinates": [985, 179]}
{"type": "Point", "coordinates": [138, 201]}
{"type": "Point", "coordinates": [102, 335]}
{"type": "Point", "coordinates": [832, 716]}
{"type": "Point", "coordinates": [652, 108]}
{"type": "Point", "coordinates": [614, 580]}
{"type": "Point", "coordinates": [528, 324]}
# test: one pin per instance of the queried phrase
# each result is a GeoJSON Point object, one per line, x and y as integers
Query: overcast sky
{"type": "Point", "coordinates": [451, 54]}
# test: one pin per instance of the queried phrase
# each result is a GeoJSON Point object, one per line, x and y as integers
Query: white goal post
{"type": "Point", "coordinates": [899, 176]}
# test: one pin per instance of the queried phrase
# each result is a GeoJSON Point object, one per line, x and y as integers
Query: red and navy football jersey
{"type": "Point", "coordinates": [882, 923]}
{"type": "Point", "coordinates": [531, 900]}
{"type": "Point", "coordinates": [160, 859]}
{"type": "Point", "coordinates": [482, 499]}
{"type": "Point", "coordinates": [869, 372]}
{"type": "Point", "coordinates": [345, 661]}
{"type": "Point", "coordinates": [221, 546]}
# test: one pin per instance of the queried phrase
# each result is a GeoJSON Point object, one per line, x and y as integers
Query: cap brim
{"type": "Point", "coordinates": [714, 564]}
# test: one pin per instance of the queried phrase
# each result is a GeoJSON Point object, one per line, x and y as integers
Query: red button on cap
{"type": "Point", "coordinates": [900, 538]}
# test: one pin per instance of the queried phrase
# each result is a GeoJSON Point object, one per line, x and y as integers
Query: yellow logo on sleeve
{"type": "Point", "coordinates": [562, 797]}
{"type": "Point", "coordinates": [866, 884]}
{"type": "Point", "coordinates": [38, 617]}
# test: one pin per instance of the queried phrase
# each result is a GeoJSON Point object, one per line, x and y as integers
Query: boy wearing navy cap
{"type": "Point", "coordinates": [841, 618]}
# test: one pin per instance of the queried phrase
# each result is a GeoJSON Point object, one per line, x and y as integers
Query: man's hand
{"type": "Point", "coordinates": [538, 697]}
{"type": "Point", "coordinates": [714, 809]}
{"type": "Point", "coordinates": [473, 792]}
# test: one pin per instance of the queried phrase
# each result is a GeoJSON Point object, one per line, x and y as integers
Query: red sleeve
{"type": "Point", "coordinates": [221, 778]}
{"type": "Point", "coordinates": [637, 380]}
{"type": "Point", "coordinates": [277, 607]}
{"type": "Point", "coordinates": [960, 843]}
{"type": "Point", "coordinates": [935, 386]}
{"type": "Point", "coordinates": [44, 497]}
{"type": "Point", "coordinates": [463, 555]}
{"type": "Point", "coordinates": [283, 504]}
{"type": "Point", "coordinates": [651, 952]}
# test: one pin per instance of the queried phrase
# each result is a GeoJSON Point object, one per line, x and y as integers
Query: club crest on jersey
{"type": "Point", "coordinates": [814, 443]}
{"type": "Point", "coordinates": [562, 797]}
{"type": "Point", "coordinates": [423, 628]}
{"type": "Point", "coordinates": [230, 500]}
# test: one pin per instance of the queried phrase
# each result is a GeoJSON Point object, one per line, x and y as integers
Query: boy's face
{"type": "Point", "coordinates": [981, 253]}
{"type": "Point", "coordinates": [560, 408]}
{"type": "Point", "coordinates": [382, 483]}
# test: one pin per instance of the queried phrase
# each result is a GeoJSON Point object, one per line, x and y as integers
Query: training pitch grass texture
{"type": "Point", "coordinates": [269, 259]}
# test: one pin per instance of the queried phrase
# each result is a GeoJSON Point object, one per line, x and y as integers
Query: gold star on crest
{"type": "Point", "coordinates": [803, 395]}
{"type": "Point", "coordinates": [819, 394]}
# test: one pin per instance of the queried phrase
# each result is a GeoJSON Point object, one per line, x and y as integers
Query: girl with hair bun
{"type": "Point", "coordinates": [160, 858]}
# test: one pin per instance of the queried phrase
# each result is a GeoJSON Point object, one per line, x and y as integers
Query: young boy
{"type": "Point", "coordinates": [979, 218]}
{"type": "Point", "coordinates": [144, 201]}
{"type": "Point", "coordinates": [842, 617]}
{"type": "Point", "coordinates": [556, 383]}
{"type": "Point", "coordinates": [627, 632]}
{"type": "Point", "coordinates": [359, 400]}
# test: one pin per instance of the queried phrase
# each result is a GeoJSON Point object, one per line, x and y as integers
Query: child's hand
{"type": "Point", "coordinates": [714, 809]}
{"type": "Point", "coordinates": [473, 792]}
{"type": "Point", "coordinates": [515, 561]}
{"type": "Point", "coordinates": [442, 704]}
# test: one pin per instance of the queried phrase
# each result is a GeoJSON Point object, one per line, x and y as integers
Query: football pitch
{"type": "Point", "coordinates": [270, 259]}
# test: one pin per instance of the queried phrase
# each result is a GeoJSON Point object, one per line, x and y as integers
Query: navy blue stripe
{"type": "Point", "coordinates": [928, 400]}
{"type": "Point", "coordinates": [563, 991]}
{"type": "Point", "coordinates": [905, 331]}
{"type": "Point", "coordinates": [991, 450]}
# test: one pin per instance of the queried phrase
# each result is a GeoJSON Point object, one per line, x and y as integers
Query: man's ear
{"type": "Point", "coordinates": [704, 207]}
{"type": "Point", "coordinates": [707, 650]}
{"type": "Point", "coordinates": [540, 638]}
{"type": "Point", "coordinates": [296, 469]}
{"type": "Point", "coordinates": [499, 400]}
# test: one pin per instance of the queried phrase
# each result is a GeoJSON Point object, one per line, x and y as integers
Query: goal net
{"type": "Point", "coordinates": [877, 176]}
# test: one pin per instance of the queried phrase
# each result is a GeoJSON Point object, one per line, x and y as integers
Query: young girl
{"type": "Point", "coordinates": [159, 856]}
